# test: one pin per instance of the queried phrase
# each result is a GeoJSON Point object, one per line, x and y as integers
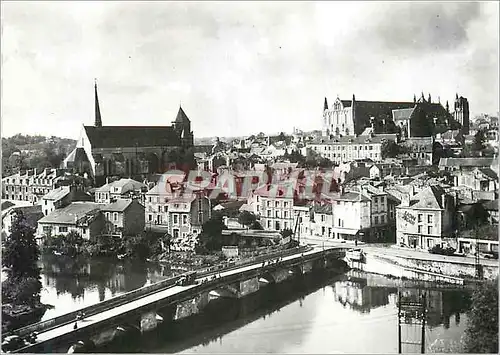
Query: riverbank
{"type": "Point", "coordinates": [406, 263]}
{"type": "Point", "coordinates": [16, 316]}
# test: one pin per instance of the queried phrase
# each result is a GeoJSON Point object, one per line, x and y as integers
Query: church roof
{"type": "Point", "coordinates": [131, 136]}
{"type": "Point", "coordinates": [181, 116]}
{"type": "Point", "coordinates": [378, 109]}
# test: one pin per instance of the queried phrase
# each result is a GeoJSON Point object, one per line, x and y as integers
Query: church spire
{"type": "Point", "coordinates": [325, 106]}
{"type": "Point", "coordinates": [98, 121]}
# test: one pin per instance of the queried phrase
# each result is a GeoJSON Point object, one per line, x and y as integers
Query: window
{"type": "Point", "coordinates": [419, 229]}
{"type": "Point", "coordinates": [150, 217]}
{"type": "Point", "coordinates": [371, 147]}
{"type": "Point", "coordinates": [375, 199]}
{"type": "Point", "coordinates": [285, 204]}
{"type": "Point", "coordinates": [420, 218]}
{"type": "Point", "coordinates": [268, 224]}
{"type": "Point", "coordinates": [382, 219]}
{"type": "Point", "coordinates": [185, 219]}
{"type": "Point", "coordinates": [115, 216]}
{"type": "Point", "coordinates": [276, 204]}
{"type": "Point", "coordinates": [376, 219]}
{"type": "Point", "coordinates": [63, 229]}
{"type": "Point", "coordinates": [45, 202]}
{"type": "Point", "coordinates": [165, 209]}
{"type": "Point", "coordinates": [159, 209]}
{"type": "Point", "coordinates": [429, 230]}
{"type": "Point", "coordinates": [322, 218]}
{"type": "Point", "coordinates": [176, 219]}
{"type": "Point", "coordinates": [268, 203]}
{"type": "Point", "coordinates": [285, 214]}
{"type": "Point", "coordinates": [429, 219]}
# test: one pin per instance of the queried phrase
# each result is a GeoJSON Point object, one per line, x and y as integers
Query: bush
{"type": "Point", "coordinates": [481, 335]}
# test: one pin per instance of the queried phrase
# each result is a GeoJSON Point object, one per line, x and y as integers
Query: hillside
{"type": "Point", "coordinates": [21, 152]}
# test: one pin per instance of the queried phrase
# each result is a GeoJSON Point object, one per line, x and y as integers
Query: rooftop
{"type": "Point", "coordinates": [70, 213]}
{"type": "Point", "coordinates": [119, 205]}
{"type": "Point", "coordinates": [131, 136]}
{"type": "Point", "coordinates": [57, 194]}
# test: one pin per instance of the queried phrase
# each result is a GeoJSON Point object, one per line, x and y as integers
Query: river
{"type": "Point", "coordinates": [327, 313]}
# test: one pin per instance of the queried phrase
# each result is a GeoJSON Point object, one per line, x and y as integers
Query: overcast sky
{"type": "Point", "coordinates": [237, 68]}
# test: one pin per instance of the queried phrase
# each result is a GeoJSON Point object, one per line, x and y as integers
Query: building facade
{"type": "Point", "coordinates": [124, 217]}
{"type": "Point", "coordinates": [425, 219]}
{"type": "Point", "coordinates": [349, 148]}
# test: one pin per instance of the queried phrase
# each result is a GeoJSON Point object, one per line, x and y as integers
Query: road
{"type": "Point", "coordinates": [117, 311]}
{"type": "Point", "coordinates": [386, 249]}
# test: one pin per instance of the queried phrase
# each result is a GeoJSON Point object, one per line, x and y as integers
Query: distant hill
{"type": "Point", "coordinates": [21, 152]}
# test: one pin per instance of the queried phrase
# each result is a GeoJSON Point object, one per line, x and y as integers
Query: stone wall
{"type": "Point", "coordinates": [104, 337]}
{"type": "Point", "coordinates": [148, 321]}
{"type": "Point", "coordinates": [307, 267]}
{"type": "Point", "coordinates": [280, 275]}
{"type": "Point", "coordinates": [249, 286]}
{"type": "Point", "coordinates": [192, 306]}
{"type": "Point", "coordinates": [463, 270]}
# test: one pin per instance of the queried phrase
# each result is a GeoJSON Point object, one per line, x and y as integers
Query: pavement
{"type": "Point", "coordinates": [393, 250]}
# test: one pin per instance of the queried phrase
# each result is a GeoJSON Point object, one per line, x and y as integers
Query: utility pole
{"type": "Point", "coordinates": [424, 311]}
{"type": "Point", "coordinates": [412, 312]}
{"type": "Point", "coordinates": [476, 255]}
{"type": "Point", "coordinates": [399, 322]}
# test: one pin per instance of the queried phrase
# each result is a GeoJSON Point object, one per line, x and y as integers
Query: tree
{"type": "Point", "coordinates": [481, 335]}
{"type": "Point", "coordinates": [210, 236]}
{"type": "Point", "coordinates": [479, 142]}
{"type": "Point", "coordinates": [20, 257]}
{"type": "Point", "coordinates": [282, 137]}
{"type": "Point", "coordinates": [246, 218]}
{"type": "Point", "coordinates": [285, 233]}
{"type": "Point", "coordinates": [389, 149]}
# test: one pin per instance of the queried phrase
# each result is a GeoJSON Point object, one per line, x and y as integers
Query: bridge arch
{"type": "Point", "coordinates": [82, 346]}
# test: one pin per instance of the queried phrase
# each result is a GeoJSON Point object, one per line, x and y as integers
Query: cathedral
{"type": "Point", "coordinates": [130, 151]}
{"type": "Point", "coordinates": [417, 118]}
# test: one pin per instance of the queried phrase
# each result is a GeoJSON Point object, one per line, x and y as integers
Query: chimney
{"type": "Point", "coordinates": [405, 200]}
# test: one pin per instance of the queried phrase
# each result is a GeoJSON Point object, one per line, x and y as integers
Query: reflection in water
{"type": "Point", "coordinates": [354, 292]}
{"type": "Point", "coordinates": [340, 315]}
{"type": "Point", "coordinates": [71, 283]}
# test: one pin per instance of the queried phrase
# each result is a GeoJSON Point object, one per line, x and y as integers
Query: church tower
{"type": "Point", "coordinates": [182, 126]}
{"type": "Point", "coordinates": [461, 113]}
{"type": "Point", "coordinates": [98, 120]}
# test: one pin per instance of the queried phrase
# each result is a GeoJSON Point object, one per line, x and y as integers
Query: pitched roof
{"type": "Point", "coordinates": [181, 116]}
{"type": "Point", "coordinates": [6, 204]}
{"type": "Point", "coordinates": [377, 138]}
{"type": "Point", "coordinates": [402, 114]}
{"type": "Point", "coordinates": [122, 184]}
{"type": "Point", "coordinates": [466, 162]}
{"type": "Point", "coordinates": [57, 194]}
{"type": "Point", "coordinates": [378, 109]}
{"type": "Point", "coordinates": [489, 173]}
{"type": "Point", "coordinates": [428, 198]}
{"type": "Point", "coordinates": [70, 213]}
{"type": "Point", "coordinates": [117, 206]}
{"type": "Point", "coordinates": [490, 205]}
{"type": "Point", "coordinates": [78, 154]}
{"type": "Point", "coordinates": [131, 136]}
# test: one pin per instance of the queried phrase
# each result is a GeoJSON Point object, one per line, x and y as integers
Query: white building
{"type": "Point", "coordinates": [348, 148]}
